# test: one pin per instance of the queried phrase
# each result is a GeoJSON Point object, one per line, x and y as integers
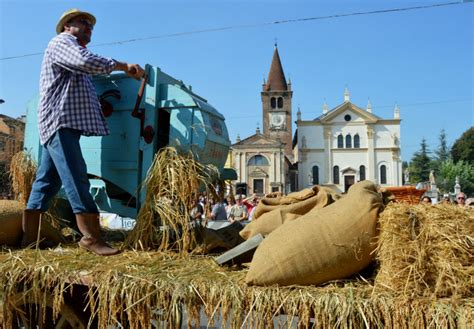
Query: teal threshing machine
{"type": "Point", "coordinates": [143, 116]}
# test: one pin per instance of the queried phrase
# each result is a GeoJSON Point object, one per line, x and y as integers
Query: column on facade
{"type": "Point", "coordinates": [244, 166]}
{"type": "Point", "coordinates": [281, 171]}
{"type": "Point", "coordinates": [395, 170]}
{"type": "Point", "coordinates": [371, 153]}
{"type": "Point", "coordinates": [328, 153]}
{"type": "Point", "coordinates": [273, 174]}
{"type": "Point", "coordinates": [238, 166]}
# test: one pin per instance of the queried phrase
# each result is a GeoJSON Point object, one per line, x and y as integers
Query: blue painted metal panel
{"type": "Point", "coordinates": [119, 162]}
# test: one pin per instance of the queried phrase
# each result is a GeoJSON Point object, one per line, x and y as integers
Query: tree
{"type": "Point", "coordinates": [442, 153]}
{"type": "Point", "coordinates": [463, 147]}
{"type": "Point", "coordinates": [420, 164]}
{"type": "Point", "coordinates": [449, 170]}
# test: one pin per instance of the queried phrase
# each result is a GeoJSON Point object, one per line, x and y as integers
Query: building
{"type": "Point", "coordinates": [12, 133]}
{"type": "Point", "coordinates": [348, 144]}
{"type": "Point", "coordinates": [263, 161]}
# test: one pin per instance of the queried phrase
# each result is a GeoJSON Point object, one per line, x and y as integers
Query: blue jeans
{"type": "Point", "coordinates": [62, 161]}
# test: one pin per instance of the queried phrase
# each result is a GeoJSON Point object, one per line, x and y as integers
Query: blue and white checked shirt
{"type": "Point", "coordinates": [67, 95]}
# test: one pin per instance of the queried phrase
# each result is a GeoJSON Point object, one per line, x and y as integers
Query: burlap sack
{"type": "Point", "coordinates": [272, 212]}
{"type": "Point", "coordinates": [325, 244]}
{"type": "Point", "coordinates": [10, 222]}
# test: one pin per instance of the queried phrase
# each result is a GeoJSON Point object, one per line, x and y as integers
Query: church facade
{"type": "Point", "coordinates": [263, 161]}
{"type": "Point", "coordinates": [348, 144]}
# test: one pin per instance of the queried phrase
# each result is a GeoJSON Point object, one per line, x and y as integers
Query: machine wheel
{"type": "Point", "coordinates": [28, 313]}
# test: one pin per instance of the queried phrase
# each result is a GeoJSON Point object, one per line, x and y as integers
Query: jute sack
{"type": "Point", "coordinates": [325, 244]}
{"type": "Point", "coordinates": [272, 212]}
{"type": "Point", "coordinates": [10, 222]}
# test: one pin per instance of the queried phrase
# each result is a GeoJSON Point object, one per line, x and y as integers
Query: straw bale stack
{"type": "Point", "coordinates": [133, 285]}
{"type": "Point", "coordinates": [426, 251]}
{"type": "Point", "coordinates": [22, 175]}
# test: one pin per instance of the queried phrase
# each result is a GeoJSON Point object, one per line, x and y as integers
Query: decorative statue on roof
{"type": "Point", "coordinates": [407, 175]}
{"type": "Point", "coordinates": [432, 177]}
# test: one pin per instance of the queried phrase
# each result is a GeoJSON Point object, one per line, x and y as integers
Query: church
{"type": "Point", "coordinates": [348, 144]}
{"type": "Point", "coordinates": [342, 146]}
{"type": "Point", "coordinates": [263, 161]}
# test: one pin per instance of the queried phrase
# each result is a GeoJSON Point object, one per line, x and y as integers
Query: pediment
{"type": "Point", "coordinates": [258, 172]}
{"type": "Point", "coordinates": [338, 114]}
{"type": "Point", "coordinates": [349, 170]}
{"type": "Point", "coordinates": [258, 139]}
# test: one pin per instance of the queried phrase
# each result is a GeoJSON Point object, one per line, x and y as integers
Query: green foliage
{"type": "Point", "coordinates": [463, 147]}
{"type": "Point", "coordinates": [442, 153]}
{"type": "Point", "coordinates": [447, 176]}
{"type": "Point", "coordinates": [420, 164]}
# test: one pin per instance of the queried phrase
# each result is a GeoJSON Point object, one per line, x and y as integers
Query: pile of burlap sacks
{"type": "Point", "coordinates": [315, 235]}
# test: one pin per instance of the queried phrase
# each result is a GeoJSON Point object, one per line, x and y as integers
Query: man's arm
{"type": "Point", "coordinates": [133, 70]}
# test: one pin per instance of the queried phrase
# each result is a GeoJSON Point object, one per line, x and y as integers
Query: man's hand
{"type": "Point", "coordinates": [135, 71]}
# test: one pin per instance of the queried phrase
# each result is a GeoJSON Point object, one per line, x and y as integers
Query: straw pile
{"type": "Point", "coordinates": [171, 186]}
{"type": "Point", "coordinates": [426, 251]}
{"type": "Point", "coordinates": [22, 175]}
{"type": "Point", "coordinates": [424, 279]}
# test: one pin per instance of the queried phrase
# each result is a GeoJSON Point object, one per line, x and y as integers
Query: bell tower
{"type": "Point", "coordinates": [276, 104]}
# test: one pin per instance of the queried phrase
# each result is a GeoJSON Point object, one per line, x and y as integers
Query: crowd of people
{"type": "Point", "coordinates": [232, 208]}
{"type": "Point", "coordinates": [460, 200]}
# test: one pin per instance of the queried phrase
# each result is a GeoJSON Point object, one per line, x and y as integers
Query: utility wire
{"type": "Point", "coordinates": [235, 27]}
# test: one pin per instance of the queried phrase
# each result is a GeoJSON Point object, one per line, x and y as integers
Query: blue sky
{"type": "Point", "coordinates": [420, 59]}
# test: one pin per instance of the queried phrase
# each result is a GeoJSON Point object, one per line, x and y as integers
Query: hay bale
{"type": "Point", "coordinates": [172, 182]}
{"type": "Point", "coordinates": [10, 222]}
{"type": "Point", "coordinates": [426, 251]}
{"type": "Point", "coordinates": [22, 175]}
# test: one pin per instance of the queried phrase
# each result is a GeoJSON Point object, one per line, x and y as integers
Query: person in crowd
{"type": "Point", "coordinates": [255, 204]}
{"type": "Point", "coordinates": [197, 211]}
{"type": "Point", "coordinates": [470, 202]}
{"type": "Point", "coordinates": [248, 202]}
{"type": "Point", "coordinates": [230, 204]}
{"type": "Point", "coordinates": [68, 109]}
{"type": "Point", "coordinates": [239, 212]}
{"type": "Point", "coordinates": [426, 200]}
{"type": "Point", "coordinates": [461, 199]}
{"type": "Point", "coordinates": [218, 211]}
{"type": "Point", "coordinates": [446, 199]}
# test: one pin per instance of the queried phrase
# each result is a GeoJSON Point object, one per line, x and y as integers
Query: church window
{"type": "Point", "coordinates": [335, 174]}
{"type": "Point", "coordinates": [383, 174]}
{"type": "Point", "coordinates": [347, 117]}
{"type": "Point", "coordinates": [362, 173]}
{"type": "Point", "coordinates": [340, 142]}
{"type": "Point", "coordinates": [280, 102]}
{"type": "Point", "coordinates": [348, 141]}
{"type": "Point", "coordinates": [315, 175]}
{"type": "Point", "coordinates": [273, 102]}
{"type": "Point", "coordinates": [356, 141]}
{"type": "Point", "coordinates": [258, 160]}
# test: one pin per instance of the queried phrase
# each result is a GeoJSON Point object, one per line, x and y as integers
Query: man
{"type": "Point", "coordinates": [218, 210]}
{"type": "Point", "coordinates": [69, 108]}
{"type": "Point", "coordinates": [461, 199]}
{"type": "Point", "coordinates": [239, 212]}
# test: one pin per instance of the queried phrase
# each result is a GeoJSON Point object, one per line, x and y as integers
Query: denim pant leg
{"type": "Point", "coordinates": [46, 185]}
{"type": "Point", "coordinates": [65, 150]}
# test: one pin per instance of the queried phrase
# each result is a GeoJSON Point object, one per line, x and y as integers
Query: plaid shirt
{"type": "Point", "coordinates": [67, 95]}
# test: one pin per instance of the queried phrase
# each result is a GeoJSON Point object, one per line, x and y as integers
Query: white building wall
{"type": "Point", "coordinates": [386, 150]}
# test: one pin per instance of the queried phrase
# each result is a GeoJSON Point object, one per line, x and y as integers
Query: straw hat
{"type": "Point", "coordinates": [70, 14]}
